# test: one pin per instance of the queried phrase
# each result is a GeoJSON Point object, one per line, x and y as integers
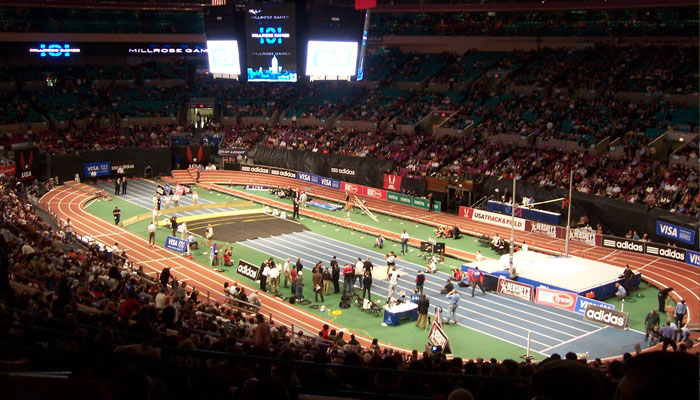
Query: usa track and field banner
{"type": "Point", "coordinates": [392, 182]}
{"type": "Point", "coordinates": [515, 289]}
{"type": "Point", "coordinates": [556, 298]}
{"type": "Point", "coordinates": [583, 302]}
{"type": "Point", "coordinates": [27, 164]}
{"type": "Point", "coordinates": [491, 218]}
{"type": "Point", "coordinates": [176, 244]}
{"type": "Point", "coordinates": [101, 168]}
{"type": "Point", "coordinates": [675, 232]}
{"type": "Point", "coordinates": [250, 271]}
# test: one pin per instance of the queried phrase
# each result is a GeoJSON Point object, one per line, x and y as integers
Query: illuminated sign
{"type": "Point", "coordinates": [54, 50]}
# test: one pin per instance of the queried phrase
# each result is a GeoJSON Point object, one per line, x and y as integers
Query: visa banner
{"type": "Point", "coordinates": [102, 168]}
{"type": "Point", "coordinates": [582, 302]}
{"type": "Point", "coordinates": [692, 258]}
{"type": "Point", "coordinates": [675, 232]}
{"type": "Point", "coordinates": [173, 243]}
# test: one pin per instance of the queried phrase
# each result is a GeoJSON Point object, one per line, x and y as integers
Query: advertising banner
{"type": "Point", "coordinates": [661, 250]}
{"type": "Point", "coordinates": [127, 166]}
{"type": "Point", "coordinates": [375, 193]}
{"type": "Point", "coordinates": [584, 235]}
{"type": "Point", "coordinates": [515, 289]}
{"type": "Point", "coordinates": [307, 177]}
{"type": "Point", "coordinates": [256, 187]}
{"type": "Point", "coordinates": [556, 298]}
{"type": "Point", "coordinates": [614, 242]}
{"type": "Point", "coordinates": [248, 270]}
{"type": "Point", "coordinates": [542, 228]}
{"type": "Point", "coordinates": [582, 302]}
{"type": "Point", "coordinates": [285, 173]}
{"type": "Point", "coordinates": [491, 218]}
{"type": "Point", "coordinates": [27, 162]}
{"type": "Point", "coordinates": [352, 188]}
{"type": "Point", "coordinates": [8, 170]}
{"type": "Point", "coordinates": [160, 190]}
{"type": "Point", "coordinates": [232, 151]}
{"type": "Point", "coordinates": [102, 168]}
{"type": "Point", "coordinates": [392, 182]}
{"type": "Point", "coordinates": [175, 244]}
{"type": "Point", "coordinates": [331, 183]}
{"type": "Point", "coordinates": [675, 232]}
{"type": "Point", "coordinates": [614, 318]}
{"type": "Point", "coordinates": [343, 171]}
{"type": "Point", "coordinates": [692, 258]}
{"type": "Point", "coordinates": [255, 168]}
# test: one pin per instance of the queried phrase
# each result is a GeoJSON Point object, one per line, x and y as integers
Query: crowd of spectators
{"type": "Point", "coordinates": [115, 309]}
{"type": "Point", "coordinates": [641, 22]}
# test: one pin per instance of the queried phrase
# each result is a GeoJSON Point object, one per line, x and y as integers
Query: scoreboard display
{"type": "Point", "coordinates": [271, 43]}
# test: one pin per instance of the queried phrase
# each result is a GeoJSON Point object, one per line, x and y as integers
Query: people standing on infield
{"type": "Point", "coordinates": [651, 320]}
{"type": "Point", "coordinates": [183, 230]}
{"type": "Point", "coordinates": [423, 305]}
{"type": "Point", "coordinates": [195, 197]}
{"type": "Point", "coordinates": [176, 200]}
{"type": "Point", "coordinates": [167, 200]}
{"type": "Point", "coordinates": [663, 293]}
{"type": "Point", "coordinates": [415, 296]}
{"type": "Point", "coordinates": [479, 257]}
{"type": "Point", "coordinates": [327, 278]}
{"type": "Point", "coordinates": [390, 261]}
{"type": "Point", "coordinates": [299, 285]}
{"type": "Point", "coordinates": [209, 234]}
{"type": "Point", "coordinates": [295, 204]}
{"type": "Point", "coordinates": [348, 272]}
{"type": "Point", "coordinates": [299, 265]}
{"type": "Point", "coordinates": [453, 301]}
{"type": "Point", "coordinates": [274, 277]}
{"type": "Point", "coordinates": [173, 225]}
{"type": "Point", "coordinates": [124, 183]}
{"type": "Point", "coordinates": [627, 275]}
{"type": "Point", "coordinates": [317, 279]}
{"type": "Point", "coordinates": [476, 277]}
{"type": "Point", "coordinates": [367, 285]}
{"type": "Point", "coordinates": [393, 283]}
{"type": "Point", "coordinates": [335, 274]}
{"type": "Point", "coordinates": [367, 266]}
{"type": "Point", "coordinates": [293, 276]}
{"type": "Point", "coordinates": [117, 213]}
{"type": "Point", "coordinates": [158, 202]}
{"type": "Point", "coordinates": [117, 186]}
{"type": "Point", "coordinates": [152, 234]}
{"type": "Point", "coordinates": [265, 268]}
{"type": "Point", "coordinates": [359, 272]}
{"type": "Point", "coordinates": [681, 310]}
{"type": "Point", "coordinates": [404, 242]}
{"type": "Point", "coordinates": [420, 281]}
{"type": "Point", "coordinates": [286, 268]}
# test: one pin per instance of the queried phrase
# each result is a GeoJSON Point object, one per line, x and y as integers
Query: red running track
{"type": "Point", "coordinates": [69, 202]}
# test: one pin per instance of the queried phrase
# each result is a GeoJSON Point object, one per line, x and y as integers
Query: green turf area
{"type": "Point", "coordinates": [465, 342]}
{"type": "Point", "coordinates": [639, 303]}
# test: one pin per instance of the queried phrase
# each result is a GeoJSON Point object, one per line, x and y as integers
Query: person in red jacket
{"type": "Point", "coordinates": [476, 277]}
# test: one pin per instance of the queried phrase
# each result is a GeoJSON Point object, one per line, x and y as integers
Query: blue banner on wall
{"type": "Point", "coordinates": [102, 168]}
{"type": "Point", "coordinates": [582, 302]}
{"type": "Point", "coordinates": [692, 258]}
{"type": "Point", "coordinates": [307, 177]}
{"type": "Point", "coordinates": [331, 183]}
{"type": "Point", "coordinates": [173, 243]}
{"type": "Point", "coordinates": [675, 232]}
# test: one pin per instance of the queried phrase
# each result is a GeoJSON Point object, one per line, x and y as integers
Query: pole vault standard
{"type": "Point", "coordinates": [568, 217]}
{"type": "Point", "coordinates": [512, 222]}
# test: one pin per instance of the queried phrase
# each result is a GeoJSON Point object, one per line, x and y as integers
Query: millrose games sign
{"type": "Point", "coordinates": [614, 318]}
{"type": "Point", "coordinates": [615, 242]}
{"type": "Point", "coordinates": [675, 232]}
{"type": "Point", "coordinates": [556, 298]}
{"type": "Point", "coordinates": [248, 270]}
{"type": "Point", "coordinates": [515, 289]}
{"type": "Point", "coordinates": [491, 218]}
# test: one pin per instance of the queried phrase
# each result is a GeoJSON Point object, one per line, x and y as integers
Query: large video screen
{"type": "Point", "coordinates": [223, 57]}
{"type": "Point", "coordinates": [331, 58]}
{"type": "Point", "coordinates": [270, 39]}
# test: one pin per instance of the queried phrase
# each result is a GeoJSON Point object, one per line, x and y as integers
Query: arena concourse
{"type": "Point", "coordinates": [349, 200]}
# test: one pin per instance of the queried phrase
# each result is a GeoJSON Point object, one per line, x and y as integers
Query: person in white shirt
{"type": "Point", "coordinates": [390, 261]}
{"type": "Point", "coordinates": [432, 266]}
{"type": "Point", "coordinates": [404, 242]}
{"type": "Point", "coordinates": [479, 257]}
{"type": "Point", "coordinates": [209, 234]}
{"type": "Point", "coordinates": [152, 234]}
{"type": "Point", "coordinates": [176, 200]}
{"type": "Point", "coordinates": [167, 201]}
{"type": "Point", "coordinates": [359, 271]}
{"type": "Point", "coordinates": [285, 270]}
{"type": "Point", "coordinates": [155, 201]}
{"type": "Point", "coordinates": [265, 277]}
{"type": "Point", "coordinates": [195, 197]}
{"type": "Point", "coordinates": [525, 247]}
{"type": "Point", "coordinates": [154, 216]}
{"type": "Point", "coordinates": [303, 198]}
{"type": "Point", "coordinates": [183, 230]}
{"type": "Point", "coordinates": [275, 277]}
{"type": "Point", "coordinates": [393, 283]}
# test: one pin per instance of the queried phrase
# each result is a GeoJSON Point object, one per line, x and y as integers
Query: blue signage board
{"type": "Point", "coordinates": [102, 168]}
{"type": "Point", "coordinates": [582, 302]}
{"type": "Point", "coordinates": [692, 258]}
{"type": "Point", "coordinates": [331, 183]}
{"type": "Point", "coordinates": [675, 232]}
{"type": "Point", "coordinates": [173, 243]}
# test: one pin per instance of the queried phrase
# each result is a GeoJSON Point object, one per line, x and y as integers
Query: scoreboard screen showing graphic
{"type": "Point", "coordinates": [271, 43]}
